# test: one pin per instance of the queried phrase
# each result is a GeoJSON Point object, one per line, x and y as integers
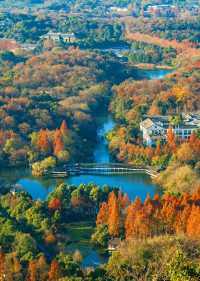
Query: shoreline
{"type": "Point", "coordinates": [151, 66]}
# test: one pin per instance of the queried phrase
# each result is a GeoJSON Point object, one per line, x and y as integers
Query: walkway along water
{"type": "Point", "coordinates": [102, 169]}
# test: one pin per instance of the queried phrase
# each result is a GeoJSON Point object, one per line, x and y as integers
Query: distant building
{"type": "Point", "coordinates": [155, 128]}
{"type": "Point", "coordinates": [161, 10]}
{"type": "Point", "coordinates": [114, 10]}
{"type": "Point", "coordinates": [57, 36]}
{"type": "Point", "coordinates": [194, 10]}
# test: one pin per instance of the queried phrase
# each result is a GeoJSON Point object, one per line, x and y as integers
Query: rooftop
{"type": "Point", "coordinates": [188, 121]}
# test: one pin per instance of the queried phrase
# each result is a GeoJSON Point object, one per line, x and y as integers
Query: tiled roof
{"type": "Point", "coordinates": [147, 123]}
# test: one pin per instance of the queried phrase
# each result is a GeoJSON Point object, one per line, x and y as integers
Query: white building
{"type": "Point", "coordinates": [119, 10]}
{"type": "Point", "coordinates": [155, 128]}
{"type": "Point", "coordinates": [57, 36]}
{"type": "Point", "coordinates": [161, 10]}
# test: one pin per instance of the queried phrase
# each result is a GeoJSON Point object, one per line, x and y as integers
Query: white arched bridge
{"type": "Point", "coordinates": [102, 169]}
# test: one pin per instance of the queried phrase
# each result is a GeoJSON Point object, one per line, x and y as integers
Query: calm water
{"type": "Point", "coordinates": [134, 185]}
{"type": "Point", "coordinates": [153, 74]}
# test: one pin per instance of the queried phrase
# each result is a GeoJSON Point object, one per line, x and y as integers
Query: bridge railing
{"type": "Point", "coordinates": [122, 165]}
{"type": "Point", "coordinates": [91, 166]}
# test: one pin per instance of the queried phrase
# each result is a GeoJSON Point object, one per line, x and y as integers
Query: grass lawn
{"type": "Point", "coordinates": [79, 234]}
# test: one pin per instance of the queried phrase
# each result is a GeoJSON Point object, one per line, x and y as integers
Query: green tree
{"type": "Point", "coordinates": [25, 246]}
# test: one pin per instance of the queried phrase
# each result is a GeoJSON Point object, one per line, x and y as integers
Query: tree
{"type": "Point", "coordinates": [181, 220]}
{"type": "Point", "coordinates": [185, 153]}
{"type": "Point", "coordinates": [158, 149]}
{"type": "Point", "coordinates": [113, 215]}
{"type": "Point", "coordinates": [171, 139]}
{"type": "Point", "coordinates": [2, 266]}
{"type": "Point", "coordinates": [194, 142]}
{"type": "Point", "coordinates": [131, 214]}
{"type": "Point", "coordinates": [17, 269]}
{"type": "Point", "coordinates": [32, 274]}
{"type": "Point", "coordinates": [141, 224]}
{"type": "Point", "coordinates": [123, 200]}
{"type": "Point", "coordinates": [64, 128]}
{"type": "Point", "coordinates": [54, 204]}
{"type": "Point", "coordinates": [193, 139]}
{"type": "Point", "coordinates": [102, 216]}
{"type": "Point", "coordinates": [101, 236]}
{"type": "Point", "coordinates": [25, 246]}
{"type": "Point", "coordinates": [63, 156]}
{"type": "Point", "coordinates": [178, 179]}
{"type": "Point", "coordinates": [53, 274]}
{"type": "Point", "coordinates": [129, 221]}
{"type": "Point", "coordinates": [149, 206]}
{"type": "Point", "coordinates": [39, 168]}
{"type": "Point", "coordinates": [42, 268]}
{"type": "Point", "coordinates": [58, 142]}
{"type": "Point", "coordinates": [193, 226]}
{"type": "Point", "coordinates": [50, 238]}
{"type": "Point", "coordinates": [43, 141]}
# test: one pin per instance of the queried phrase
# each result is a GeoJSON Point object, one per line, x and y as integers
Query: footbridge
{"type": "Point", "coordinates": [103, 169]}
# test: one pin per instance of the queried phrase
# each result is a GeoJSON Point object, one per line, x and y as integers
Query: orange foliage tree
{"type": "Point", "coordinates": [64, 128]}
{"type": "Point", "coordinates": [58, 142]}
{"type": "Point", "coordinates": [113, 215]}
{"type": "Point", "coordinates": [32, 272]}
{"type": "Point", "coordinates": [171, 139]}
{"type": "Point", "coordinates": [102, 216]}
{"type": "Point", "coordinates": [2, 265]}
{"type": "Point", "coordinates": [43, 141]}
{"type": "Point", "coordinates": [160, 215]}
{"type": "Point", "coordinates": [53, 274]}
{"type": "Point", "coordinates": [193, 223]}
{"type": "Point", "coordinates": [42, 268]}
{"type": "Point", "coordinates": [54, 204]}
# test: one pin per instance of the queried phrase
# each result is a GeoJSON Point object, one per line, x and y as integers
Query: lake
{"type": "Point", "coordinates": [39, 188]}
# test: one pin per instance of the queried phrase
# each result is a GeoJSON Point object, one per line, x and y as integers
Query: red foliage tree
{"type": "Point", "coordinates": [171, 139]}
{"type": "Point", "coordinates": [113, 215]}
{"type": "Point", "coordinates": [2, 265]}
{"type": "Point", "coordinates": [32, 273]}
{"type": "Point", "coordinates": [64, 128]}
{"type": "Point", "coordinates": [42, 268]}
{"type": "Point", "coordinates": [54, 204]}
{"type": "Point", "coordinates": [193, 223]}
{"type": "Point", "coordinates": [124, 201]}
{"type": "Point", "coordinates": [53, 274]}
{"type": "Point", "coordinates": [131, 216]}
{"type": "Point", "coordinates": [43, 141]}
{"type": "Point", "coordinates": [102, 216]}
{"type": "Point", "coordinates": [58, 142]}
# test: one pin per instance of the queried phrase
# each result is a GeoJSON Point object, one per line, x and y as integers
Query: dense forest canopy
{"type": "Point", "coordinates": [28, 28]}
{"type": "Point", "coordinates": [45, 90]}
{"type": "Point", "coordinates": [53, 94]}
{"type": "Point", "coordinates": [180, 29]}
